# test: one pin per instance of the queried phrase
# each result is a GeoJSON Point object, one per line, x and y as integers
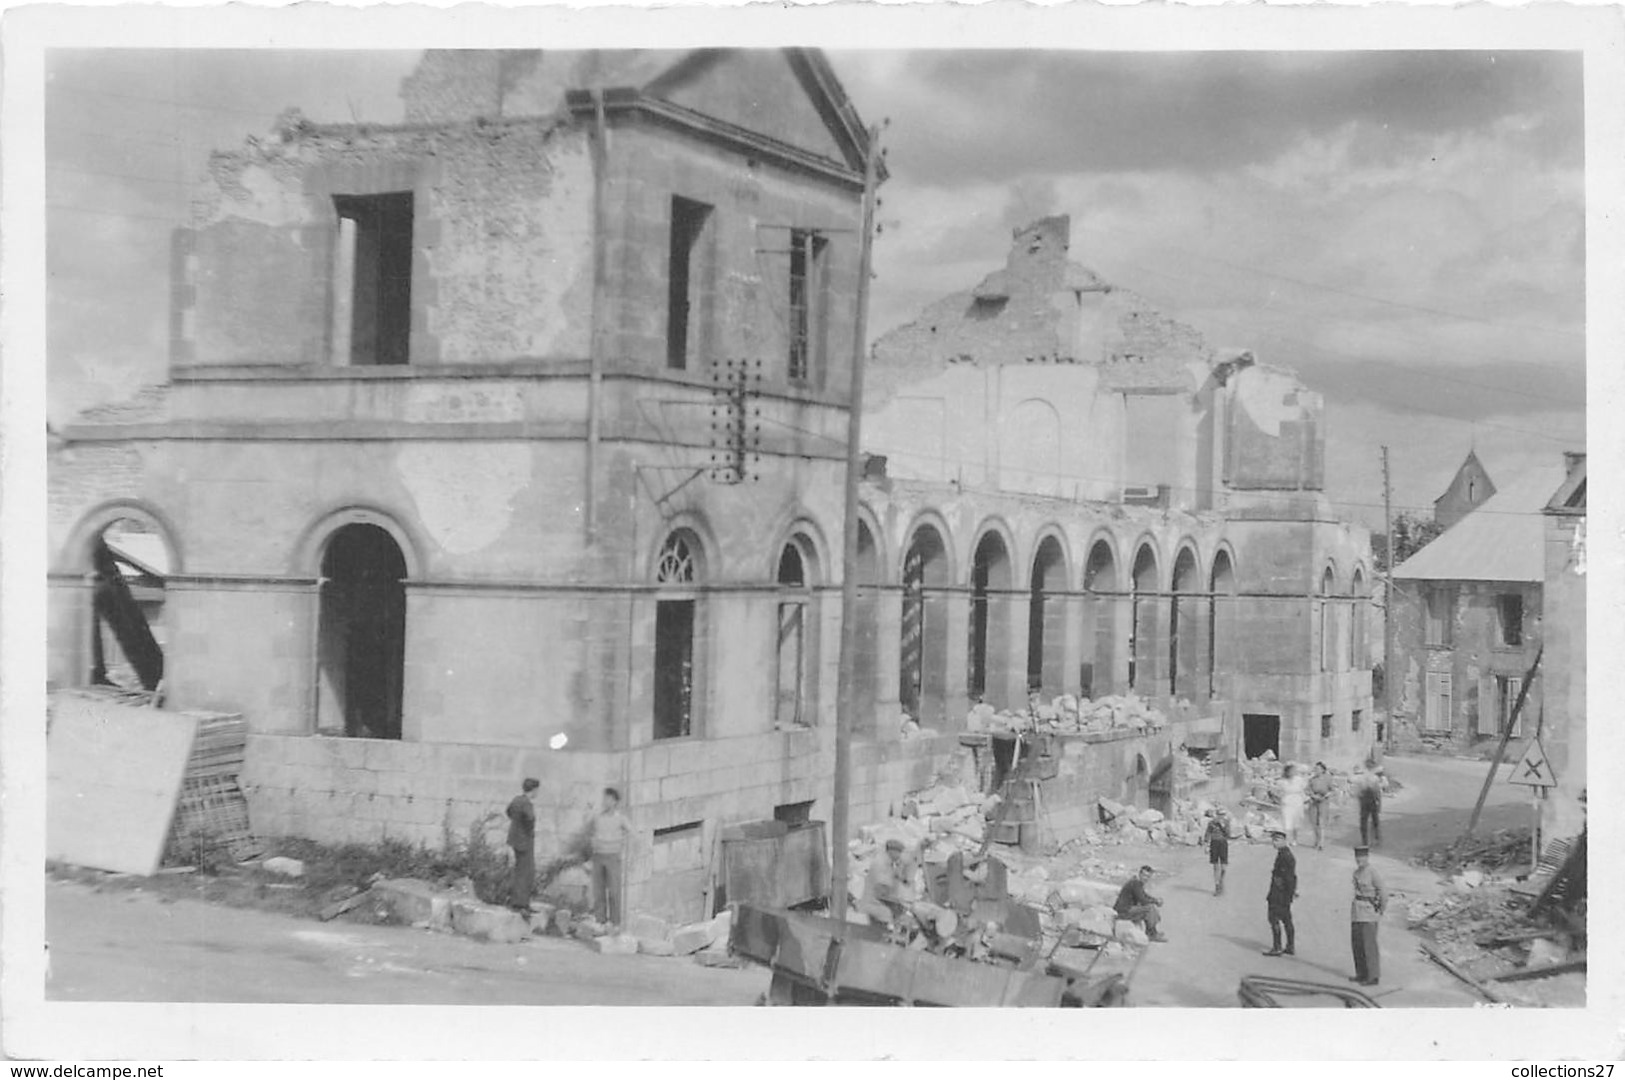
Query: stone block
{"type": "Point", "coordinates": [414, 902]}
{"type": "Point", "coordinates": [1129, 933]}
{"type": "Point", "coordinates": [656, 947]}
{"type": "Point", "coordinates": [616, 945]}
{"type": "Point", "coordinates": [1544, 952]}
{"type": "Point", "coordinates": [283, 866]}
{"type": "Point", "coordinates": [1084, 892]}
{"type": "Point", "coordinates": [648, 926]}
{"type": "Point", "coordinates": [487, 922]}
{"type": "Point", "coordinates": [691, 939]}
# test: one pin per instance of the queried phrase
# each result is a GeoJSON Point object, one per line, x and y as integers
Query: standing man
{"type": "Point", "coordinates": [1320, 795]}
{"type": "Point", "coordinates": [1218, 847]}
{"type": "Point", "coordinates": [1369, 902]}
{"type": "Point", "coordinates": [1283, 890]}
{"type": "Point", "coordinates": [1370, 806]}
{"type": "Point", "coordinates": [610, 831]}
{"type": "Point", "coordinates": [522, 838]}
{"type": "Point", "coordinates": [1138, 906]}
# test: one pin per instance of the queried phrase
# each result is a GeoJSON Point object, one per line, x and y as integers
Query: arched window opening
{"type": "Point", "coordinates": [1098, 674]}
{"type": "Point", "coordinates": [1327, 623]}
{"type": "Point", "coordinates": [1221, 615]}
{"type": "Point", "coordinates": [989, 615]}
{"type": "Point", "coordinates": [361, 634]}
{"type": "Point", "coordinates": [923, 652]}
{"type": "Point", "coordinates": [677, 571]}
{"type": "Point", "coordinates": [130, 563]}
{"type": "Point", "coordinates": [1142, 643]}
{"type": "Point", "coordinates": [795, 643]}
{"type": "Point", "coordinates": [1182, 626]}
{"type": "Point", "coordinates": [1046, 629]}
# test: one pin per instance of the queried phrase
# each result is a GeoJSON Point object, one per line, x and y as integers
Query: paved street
{"type": "Point", "coordinates": [118, 945]}
{"type": "Point", "coordinates": [114, 945]}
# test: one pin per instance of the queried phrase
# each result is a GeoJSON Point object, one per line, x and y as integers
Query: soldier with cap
{"type": "Point", "coordinates": [1283, 890]}
{"type": "Point", "coordinates": [522, 838]}
{"type": "Point", "coordinates": [1369, 902]}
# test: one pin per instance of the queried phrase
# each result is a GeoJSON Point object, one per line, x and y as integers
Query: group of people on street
{"type": "Point", "coordinates": [602, 844]}
{"type": "Point", "coordinates": [1301, 797]}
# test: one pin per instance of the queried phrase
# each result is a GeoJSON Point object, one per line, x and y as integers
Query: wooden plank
{"type": "Point", "coordinates": [113, 776]}
{"type": "Point", "coordinates": [1439, 958]}
{"type": "Point", "coordinates": [1542, 971]}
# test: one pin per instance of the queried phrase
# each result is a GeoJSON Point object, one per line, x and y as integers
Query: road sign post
{"type": "Point", "coordinates": [1534, 771]}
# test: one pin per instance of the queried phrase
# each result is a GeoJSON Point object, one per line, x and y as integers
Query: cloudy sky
{"type": "Point", "coordinates": [1406, 229]}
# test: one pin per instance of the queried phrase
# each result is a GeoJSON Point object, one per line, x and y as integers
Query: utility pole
{"type": "Point", "coordinates": [845, 706]}
{"type": "Point", "coordinates": [1388, 604]}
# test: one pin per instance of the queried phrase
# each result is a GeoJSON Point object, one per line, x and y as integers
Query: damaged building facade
{"type": "Point", "coordinates": [1081, 496]}
{"type": "Point", "coordinates": [526, 418]}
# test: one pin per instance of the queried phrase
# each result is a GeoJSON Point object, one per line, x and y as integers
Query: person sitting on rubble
{"type": "Point", "coordinates": [887, 888]}
{"type": "Point", "coordinates": [1140, 907]}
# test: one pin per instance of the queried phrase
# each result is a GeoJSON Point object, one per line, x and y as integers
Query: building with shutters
{"type": "Point", "coordinates": [1468, 621]}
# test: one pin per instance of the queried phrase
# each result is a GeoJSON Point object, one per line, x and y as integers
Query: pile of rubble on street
{"type": "Point", "coordinates": [1069, 715]}
{"type": "Point", "coordinates": [1495, 927]}
{"type": "Point", "coordinates": [425, 906]}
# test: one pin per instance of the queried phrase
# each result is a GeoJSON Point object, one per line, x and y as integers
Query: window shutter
{"type": "Point", "coordinates": [1489, 709]}
{"type": "Point", "coordinates": [1430, 703]}
{"type": "Point", "coordinates": [1445, 701]}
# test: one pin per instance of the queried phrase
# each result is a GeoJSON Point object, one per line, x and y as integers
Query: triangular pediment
{"type": "Point", "coordinates": [786, 95]}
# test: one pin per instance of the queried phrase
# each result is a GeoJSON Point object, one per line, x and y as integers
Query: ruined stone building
{"type": "Point", "coordinates": [526, 418]}
{"type": "Point", "coordinates": [1081, 496]}
{"type": "Point", "coordinates": [1468, 621]}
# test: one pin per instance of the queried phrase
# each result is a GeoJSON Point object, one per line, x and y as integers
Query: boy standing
{"type": "Point", "coordinates": [610, 831]}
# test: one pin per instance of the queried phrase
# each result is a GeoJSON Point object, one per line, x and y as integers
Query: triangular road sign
{"type": "Point", "coordinates": [1533, 769]}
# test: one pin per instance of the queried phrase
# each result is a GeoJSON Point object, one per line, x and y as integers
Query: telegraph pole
{"type": "Point", "coordinates": [845, 706]}
{"type": "Point", "coordinates": [1388, 603]}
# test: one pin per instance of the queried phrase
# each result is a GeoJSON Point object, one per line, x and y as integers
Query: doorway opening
{"type": "Point", "coordinates": [1260, 732]}
{"type": "Point", "coordinates": [361, 638]}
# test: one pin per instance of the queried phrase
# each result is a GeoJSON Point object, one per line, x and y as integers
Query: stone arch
{"type": "Point", "coordinates": [312, 544]}
{"type": "Point", "coordinates": [1221, 616]}
{"type": "Point", "coordinates": [1102, 602]}
{"type": "Point", "coordinates": [1184, 624]}
{"type": "Point", "coordinates": [122, 638]}
{"type": "Point", "coordinates": [797, 645]}
{"type": "Point", "coordinates": [1046, 613]}
{"type": "Point", "coordinates": [360, 673]}
{"type": "Point", "coordinates": [991, 644]}
{"type": "Point", "coordinates": [75, 555]}
{"type": "Point", "coordinates": [702, 544]}
{"type": "Point", "coordinates": [931, 519]}
{"type": "Point", "coordinates": [1144, 579]}
{"type": "Point", "coordinates": [927, 577]}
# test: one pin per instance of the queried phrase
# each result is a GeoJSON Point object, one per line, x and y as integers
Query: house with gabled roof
{"type": "Point", "coordinates": [1467, 612]}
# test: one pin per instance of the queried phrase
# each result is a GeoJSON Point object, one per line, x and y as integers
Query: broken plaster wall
{"type": "Point", "coordinates": [1275, 439]}
{"type": "Point", "coordinates": [1474, 657]}
{"type": "Point", "coordinates": [502, 232]}
{"type": "Point", "coordinates": [1563, 685]}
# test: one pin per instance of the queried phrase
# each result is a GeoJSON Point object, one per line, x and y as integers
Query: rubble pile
{"type": "Point", "coordinates": [1502, 850]}
{"type": "Point", "coordinates": [1069, 715]}
{"type": "Point", "coordinates": [1121, 824]}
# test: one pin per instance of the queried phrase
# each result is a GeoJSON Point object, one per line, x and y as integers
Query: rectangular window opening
{"type": "Point", "coordinates": [793, 814]}
{"type": "Point", "coordinates": [1510, 686]}
{"type": "Point", "coordinates": [1511, 605]}
{"type": "Point", "coordinates": [792, 704]}
{"type": "Point", "coordinates": [1357, 716]}
{"type": "Point", "coordinates": [688, 221]}
{"type": "Point", "coordinates": [674, 669]}
{"type": "Point", "coordinates": [1326, 726]}
{"type": "Point", "coordinates": [372, 294]}
{"type": "Point", "coordinates": [807, 303]}
{"type": "Point", "coordinates": [687, 830]}
{"type": "Point", "coordinates": [1440, 616]}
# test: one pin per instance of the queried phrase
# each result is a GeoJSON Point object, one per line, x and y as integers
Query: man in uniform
{"type": "Point", "coordinates": [522, 838]}
{"type": "Point", "coordinates": [1138, 906]}
{"type": "Point", "coordinates": [1283, 890]}
{"type": "Point", "coordinates": [1369, 902]}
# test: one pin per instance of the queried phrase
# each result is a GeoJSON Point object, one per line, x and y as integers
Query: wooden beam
{"type": "Point", "coordinates": [1439, 958]}
{"type": "Point", "coordinates": [1541, 972]}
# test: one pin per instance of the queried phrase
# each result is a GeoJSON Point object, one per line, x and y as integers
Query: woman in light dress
{"type": "Point", "coordinates": [1293, 786]}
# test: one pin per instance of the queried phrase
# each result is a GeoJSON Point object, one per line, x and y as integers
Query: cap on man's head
{"type": "Point", "coordinates": [1277, 834]}
{"type": "Point", "coordinates": [1362, 851]}
{"type": "Point", "coordinates": [530, 784]}
{"type": "Point", "coordinates": [894, 845]}
{"type": "Point", "coordinates": [1147, 870]}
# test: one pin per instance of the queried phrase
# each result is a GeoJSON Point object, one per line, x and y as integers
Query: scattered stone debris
{"type": "Point", "coordinates": [283, 866]}
{"type": "Point", "coordinates": [1070, 715]}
